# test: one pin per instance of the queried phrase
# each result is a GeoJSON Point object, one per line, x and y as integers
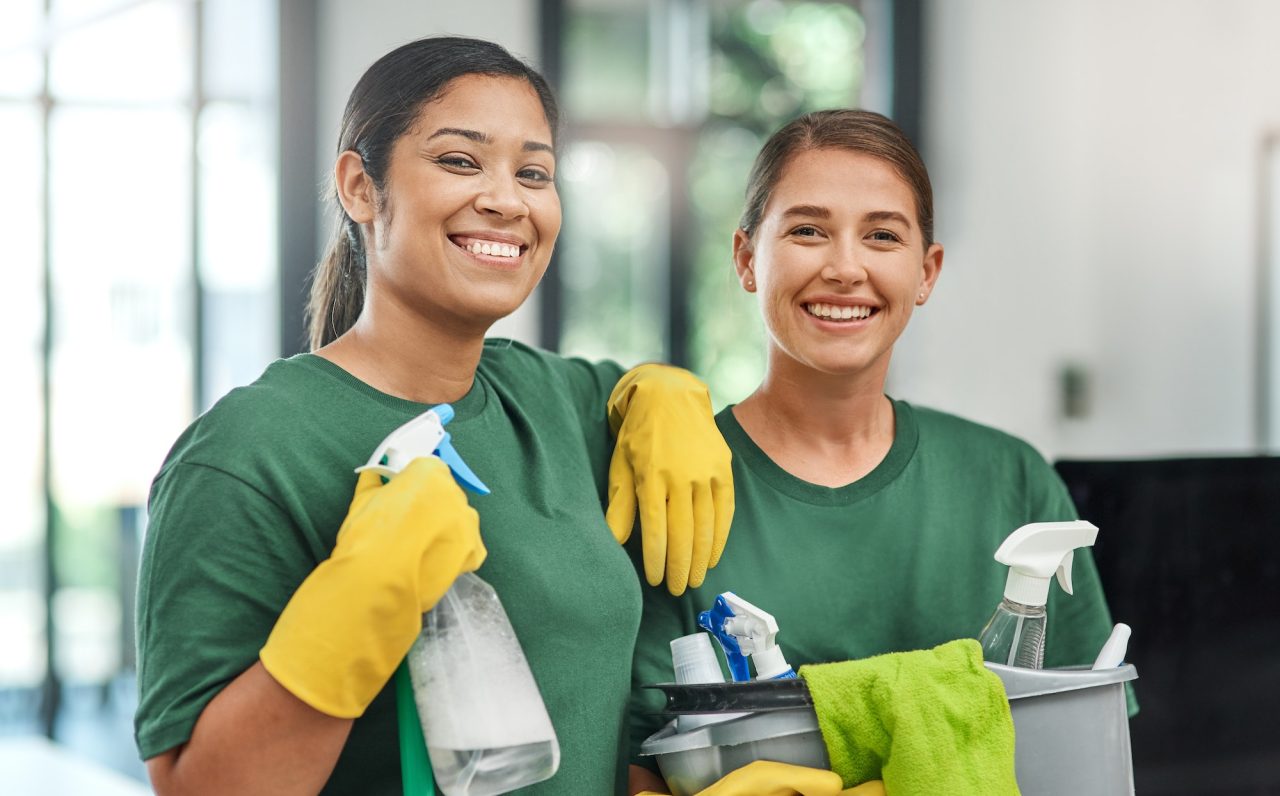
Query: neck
{"type": "Point", "coordinates": [822, 428]}
{"type": "Point", "coordinates": [403, 354]}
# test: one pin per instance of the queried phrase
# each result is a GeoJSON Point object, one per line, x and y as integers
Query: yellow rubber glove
{"type": "Point", "coordinates": [351, 622]}
{"type": "Point", "coordinates": [671, 460]}
{"type": "Point", "coordinates": [767, 778]}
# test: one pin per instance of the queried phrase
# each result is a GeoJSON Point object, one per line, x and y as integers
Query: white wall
{"type": "Point", "coordinates": [354, 35]}
{"type": "Point", "coordinates": [1095, 167]}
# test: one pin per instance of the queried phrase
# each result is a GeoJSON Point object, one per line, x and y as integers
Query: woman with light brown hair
{"type": "Point", "coordinates": [864, 524]}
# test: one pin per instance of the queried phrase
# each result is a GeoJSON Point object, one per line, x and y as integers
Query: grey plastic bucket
{"type": "Point", "coordinates": [1071, 728]}
{"type": "Point", "coordinates": [691, 761]}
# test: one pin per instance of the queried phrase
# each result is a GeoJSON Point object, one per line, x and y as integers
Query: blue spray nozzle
{"type": "Point", "coordinates": [449, 455]}
{"type": "Point", "coordinates": [714, 621]}
{"type": "Point", "coordinates": [744, 631]}
{"type": "Point", "coordinates": [423, 436]}
{"type": "Point", "coordinates": [461, 472]}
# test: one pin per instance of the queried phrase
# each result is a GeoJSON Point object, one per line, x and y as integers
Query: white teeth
{"type": "Point", "coordinates": [838, 312]}
{"type": "Point", "coordinates": [494, 249]}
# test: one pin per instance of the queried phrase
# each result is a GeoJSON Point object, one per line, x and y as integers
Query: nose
{"type": "Point", "coordinates": [501, 196]}
{"type": "Point", "coordinates": [845, 268]}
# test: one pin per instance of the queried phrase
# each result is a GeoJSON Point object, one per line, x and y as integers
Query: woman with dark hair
{"type": "Point", "coordinates": [864, 524]}
{"type": "Point", "coordinates": [274, 606]}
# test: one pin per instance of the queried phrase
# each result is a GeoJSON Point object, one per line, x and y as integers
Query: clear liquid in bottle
{"type": "Point", "coordinates": [1014, 636]}
{"type": "Point", "coordinates": [486, 727]}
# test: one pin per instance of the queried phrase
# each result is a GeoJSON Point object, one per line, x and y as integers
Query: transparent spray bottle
{"type": "Point", "coordinates": [465, 685]}
{"type": "Point", "coordinates": [1014, 636]}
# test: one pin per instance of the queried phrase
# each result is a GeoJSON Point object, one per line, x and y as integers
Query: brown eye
{"type": "Point", "coordinates": [537, 177]}
{"type": "Point", "coordinates": [457, 162]}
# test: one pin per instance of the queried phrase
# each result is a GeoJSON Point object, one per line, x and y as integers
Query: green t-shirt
{"type": "Point", "coordinates": [252, 495]}
{"type": "Point", "coordinates": [899, 560]}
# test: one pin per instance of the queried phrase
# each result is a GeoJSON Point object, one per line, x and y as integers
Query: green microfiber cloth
{"type": "Point", "coordinates": [926, 722]}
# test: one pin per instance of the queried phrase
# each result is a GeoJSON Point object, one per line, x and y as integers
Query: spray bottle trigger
{"type": "Point", "coordinates": [1064, 571]}
{"type": "Point", "coordinates": [714, 621]}
{"type": "Point", "coordinates": [461, 472]}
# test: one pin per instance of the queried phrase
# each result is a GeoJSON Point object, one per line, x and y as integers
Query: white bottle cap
{"type": "Point", "coordinates": [695, 660]}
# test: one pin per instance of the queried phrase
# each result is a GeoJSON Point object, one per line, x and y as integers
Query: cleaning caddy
{"type": "Point", "coordinates": [1069, 731]}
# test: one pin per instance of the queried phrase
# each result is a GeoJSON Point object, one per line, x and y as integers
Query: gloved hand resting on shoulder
{"type": "Point", "coordinates": [671, 461]}
{"type": "Point", "coordinates": [353, 619]}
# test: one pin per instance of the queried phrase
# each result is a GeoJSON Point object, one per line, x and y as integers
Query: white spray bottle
{"type": "Point", "coordinates": [1014, 636]}
{"type": "Point", "coordinates": [486, 728]}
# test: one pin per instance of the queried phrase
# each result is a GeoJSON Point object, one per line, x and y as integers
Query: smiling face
{"type": "Point", "coordinates": [839, 262]}
{"type": "Point", "coordinates": [469, 214]}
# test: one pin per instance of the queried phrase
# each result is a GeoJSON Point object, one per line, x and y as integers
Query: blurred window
{"type": "Point", "coordinates": [144, 288]}
{"type": "Point", "coordinates": [667, 103]}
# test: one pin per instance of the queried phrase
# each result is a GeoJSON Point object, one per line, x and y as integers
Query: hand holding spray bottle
{"type": "Point", "coordinates": [486, 728]}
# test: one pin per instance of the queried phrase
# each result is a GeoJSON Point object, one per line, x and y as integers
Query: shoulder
{"type": "Point", "coordinates": [975, 446]}
{"type": "Point", "coordinates": [977, 457]}
{"type": "Point", "coordinates": [512, 361]}
{"type": "Point", "coordinates": [288, 402]}
{"type": "Point", "coordinates": [945, 429]}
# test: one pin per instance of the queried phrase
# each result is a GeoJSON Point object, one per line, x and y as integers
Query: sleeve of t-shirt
{"type": "Point", "coordinates": [1079, 623]}
{"type": "Point", "coordinates": [219, 562]}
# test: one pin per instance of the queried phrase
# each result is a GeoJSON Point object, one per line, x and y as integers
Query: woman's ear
{"type": "Point", "coordinates": [932, 268]}
{"type": "Point", "coordinates": [356, 191]}
{"type": "Point", "coordinates": [744, 260]}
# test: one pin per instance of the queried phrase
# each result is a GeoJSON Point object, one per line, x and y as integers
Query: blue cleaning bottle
{"type": "Point", "coordinates": [465, 686]}
{"type": "Point", "coordinates": [744, 631]}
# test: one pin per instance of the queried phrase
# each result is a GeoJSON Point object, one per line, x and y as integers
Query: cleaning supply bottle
{"type": "Point", "coordinates": [1015, 634]}
{"type": "Point", "coordinates": [743, 631]}
{"type": "Point", "coordinates": [486, 728]}
{"type": "Point", "coordinates": [695, 661]}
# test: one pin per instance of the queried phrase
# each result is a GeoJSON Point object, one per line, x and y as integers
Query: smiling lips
{"type": "Point", "coordinates": [504, 249]}
{"type": "Point", "coordinates": [839, 312]}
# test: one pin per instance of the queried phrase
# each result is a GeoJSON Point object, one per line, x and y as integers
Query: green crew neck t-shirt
{"type": "Point", "coordinates": [898, 560]}
{"type": "Point", "coordinates": [250, 500]}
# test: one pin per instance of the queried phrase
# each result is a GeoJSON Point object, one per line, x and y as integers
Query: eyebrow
{"type": "Point", "coordinates": [817, 211]}
{"type": "Point", "coordinates": [484, 138]}
{"type": "Point", "coordinates": [887, 215]}
{"type": "Point", "coordinates": [809, 211]}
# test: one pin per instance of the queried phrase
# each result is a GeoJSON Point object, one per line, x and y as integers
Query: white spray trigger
{"type": "Point", "coordinates": [1064, 572]}
{"type": "Point", "coordinates": [1037, 552]}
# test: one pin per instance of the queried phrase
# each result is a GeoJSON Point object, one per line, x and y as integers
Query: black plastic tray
{"type": "Point", "coordinates": [752, 696]}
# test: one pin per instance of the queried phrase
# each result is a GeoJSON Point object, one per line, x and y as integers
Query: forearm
{"type": "Point", "coordinates": [642, 779]}
{"type": "Point", "coordinates": [254, 737]}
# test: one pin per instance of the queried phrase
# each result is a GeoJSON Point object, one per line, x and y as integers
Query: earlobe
{"type": "Point", "coordinates": [932, 267]}
{"type": "Point", "coordinates": [744, 260]}
{"type": "Point", "coordinates": [355, 189]}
